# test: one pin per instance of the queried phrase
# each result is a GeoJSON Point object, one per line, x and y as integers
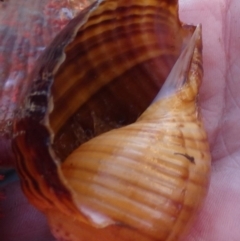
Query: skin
{"type": "Point", "coordinates": [219, 217]}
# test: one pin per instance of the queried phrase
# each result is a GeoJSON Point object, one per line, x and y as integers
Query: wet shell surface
{"type": "Point", "coordinates": [100, 150]}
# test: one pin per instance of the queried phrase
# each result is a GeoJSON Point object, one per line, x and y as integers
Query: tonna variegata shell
{"type": "Point", "coordinates": [100, 150]}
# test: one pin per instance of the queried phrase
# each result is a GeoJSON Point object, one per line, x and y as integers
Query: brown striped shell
{"type": "Point", "coordinates": [142, 181]}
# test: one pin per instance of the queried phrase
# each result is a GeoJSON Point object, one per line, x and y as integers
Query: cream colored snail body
{"type": "Point", "coordinates": [125, 182]}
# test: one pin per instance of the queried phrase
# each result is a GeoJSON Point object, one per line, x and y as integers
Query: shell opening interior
{"type": "Point", "coordinates": [114, 67]}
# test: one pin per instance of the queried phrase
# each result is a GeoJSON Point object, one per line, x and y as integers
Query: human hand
{"type": "Point", "coordinates": [220, 103]}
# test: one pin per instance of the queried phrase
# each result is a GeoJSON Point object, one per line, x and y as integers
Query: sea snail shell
{"type": "Point", "coordinates": [143, 181]}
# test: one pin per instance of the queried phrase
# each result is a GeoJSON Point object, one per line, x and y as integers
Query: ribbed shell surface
{"type": "Point", "coordinates": [150, 176]}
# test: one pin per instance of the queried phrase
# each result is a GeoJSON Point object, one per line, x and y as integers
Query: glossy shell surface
{"type": "Point", "coordinates": [140, 182]}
